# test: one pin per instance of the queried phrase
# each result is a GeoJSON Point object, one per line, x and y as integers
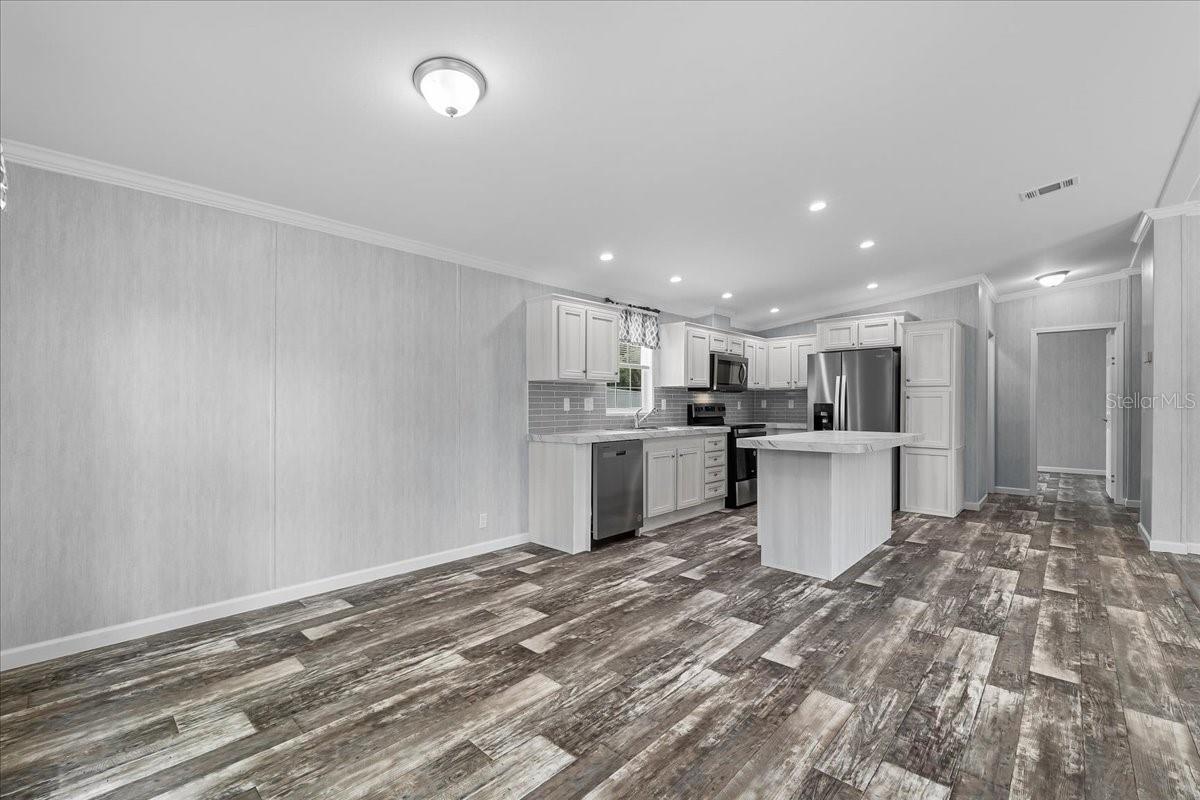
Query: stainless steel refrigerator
{"type": "Point", "coordinates": [857, 390]}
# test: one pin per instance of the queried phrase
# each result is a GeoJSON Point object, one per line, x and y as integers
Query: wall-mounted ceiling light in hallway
{"type": "Point", "coordinates": [451, 86]}
{"type": "Point", "coordinates": [1051, 279]}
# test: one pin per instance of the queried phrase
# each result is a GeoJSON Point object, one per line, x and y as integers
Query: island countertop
{"type": "Point", "coordinates": [832, 441]}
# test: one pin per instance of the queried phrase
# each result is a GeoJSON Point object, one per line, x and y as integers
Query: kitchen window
{"type": "Point", "coordinates": [633, 390]}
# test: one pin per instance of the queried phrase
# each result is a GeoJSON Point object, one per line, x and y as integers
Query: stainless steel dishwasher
{"type": "Point", "coordinates": [616, 487]}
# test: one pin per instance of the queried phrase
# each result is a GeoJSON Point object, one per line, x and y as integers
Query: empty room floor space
{"type": "Point", "coordinates": [1032, 649]}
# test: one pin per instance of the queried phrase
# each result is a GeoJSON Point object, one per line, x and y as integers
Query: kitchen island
{"type": "Point", "coordinates": [824, 497]}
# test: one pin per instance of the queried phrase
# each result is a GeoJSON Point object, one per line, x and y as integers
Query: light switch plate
{"type": "Point", "coordinates": [764, 403]}
{"type": "Point", "coordinates": [791, 403]}
{"type": "Point", "coordinates": [588, 404]}
{"type": "Point", "coordinates": [566, 404]}
{"type": "Point", "coordinates": [739, 405]}
{"type": "Point", "coordinates": [662, 404]}
{"type": "Point", "coordinates": [483, 520]}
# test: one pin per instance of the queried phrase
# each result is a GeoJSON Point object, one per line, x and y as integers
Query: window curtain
{"type": "Point", "coordinates": [639, 327]}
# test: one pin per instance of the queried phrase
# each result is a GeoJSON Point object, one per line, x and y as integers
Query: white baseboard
{"type": "Point", "coordinates": [975, 505]}
{"type": "Point", "coordinates": [1144, 533]}
{"type": "Point", "coordinates": [1165, 545]}
{"type": "Point", "coordinates": [1072, 470]}
{"type": "Point", "coordinates": [136, 629]}
{"type": "Point", "coordinates": [1013, 490]}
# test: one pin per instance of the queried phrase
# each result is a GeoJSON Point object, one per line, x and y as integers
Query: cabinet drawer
{"type": "Point", "coordinates": [712, 490]}
{"type": "Point", "coordinates": [714, 443]}
{"type": "Point", "coordinates": [714, 474]}
{"type": "Point", "coordinates": [714, 459]}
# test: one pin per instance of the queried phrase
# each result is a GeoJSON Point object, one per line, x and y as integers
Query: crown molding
{"type": "Point", "coordinates": [958, 283]}
{"type": "Point", "coordinates": [1188, 209]}
{"type": "Point", "coordinates": [79, 167]}
{"type": "Point", "coordinates": [989, 287]}
{"type": "Point", "coordinates": [1092, 281]}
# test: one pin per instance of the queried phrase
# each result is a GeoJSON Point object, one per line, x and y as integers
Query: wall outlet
{"type": "Point", "coordinates": [662, 404]}
{"type": "Point", "coordinates": [483, 520]}
{"type": "Point", "coordinates": [566, 404]}
{"type": "Point", "coordinates": [588, 404]}
{"type": "Point", "coordinates": [791, 403]}
{"type": "Point", "coordinates": [764, 403]}
{"type": "Point", "coordinates": [739, 405]}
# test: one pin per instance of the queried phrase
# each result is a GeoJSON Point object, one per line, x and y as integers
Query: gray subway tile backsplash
{"type": "Point", "coordinates": [546, 414]}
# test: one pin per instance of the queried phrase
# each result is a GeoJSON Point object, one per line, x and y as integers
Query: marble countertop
{"type": "Point", "coordinates": [832, 441]}
{"type": "Point", "coordinates": [619, 435]}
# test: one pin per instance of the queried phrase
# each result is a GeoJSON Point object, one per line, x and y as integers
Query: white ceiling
{"type": "Point", "coordinates": [687, 138]}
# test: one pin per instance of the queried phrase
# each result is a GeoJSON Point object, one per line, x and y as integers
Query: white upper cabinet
{"type": "Point", "coordinates": [879, 332]}
{"type": "Point", "coordinates": [571, 340]}
{"type": "Point", "coordinates": [836, 335]}
{"type": "Point", "coordinates": [756, 355]}
{"type": "Point", "coordinates": [602, 338]}
{"type": "Point", "coordinates": [697, 357]}
{"type": "Point", "coordinates": [859, 333]}
{"type": "Point", "coordinates": [779, 364]}
{"type": "Point", "coordinates": [929, 354]}
{"type": "Point", "coordinates": [801, 350]}
{"type": "Point", "coordinates": [718, 342]}
{"type": "Point", "coordinates": [736, 346]}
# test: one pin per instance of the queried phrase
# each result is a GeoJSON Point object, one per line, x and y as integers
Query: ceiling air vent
{"type": "Point", "coordinates": [1042, 191]}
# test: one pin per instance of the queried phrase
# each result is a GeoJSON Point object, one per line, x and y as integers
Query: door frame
{"type": "Point", "coordinates": [990, 415]}
{"type": "Point", "coordinates": [1116, 430]}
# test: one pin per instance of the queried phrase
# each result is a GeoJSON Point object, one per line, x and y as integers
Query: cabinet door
{"type": "Point", "coordinates": [689, 468]}
{"type": "Point", "coordinates": [927, 411]}
{"type": "Point", "coordinates": [800, 353]}
{"type": "Point", "coordinates": [737, 346]}
{"type": "Point", "coordinates": [877, 332]}
{"type": "Point", "coordinates": [928, 356]}
{"type": "Point", "coordinates": [718, 342]}
{"type": "Point", "coordinates": [837, 335]}
{"type": "Point", "coordinates": [697, 358]}
{"type": "Point", "coordinates": [760, 365]}
{"type": "Point", "coordinates": [925, 479]}
{"type": "Point", "coordinates": [602, 346]}
{"type": "Point", "coordinates": [779, 365]}
{"type": "Point", "coordinates": [572, 342]}
{"type": "Point", "coordinates": [660, 482]}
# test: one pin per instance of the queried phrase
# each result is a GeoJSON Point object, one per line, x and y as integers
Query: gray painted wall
{"type": "Point", "coordinates": [1110, 301]}
{"type": "Point", "coordinates": [1071, 400]}
{"type": "Point", "coordinates": [199, 405]}
{"type": "Point", "coordinates": [964, 304]}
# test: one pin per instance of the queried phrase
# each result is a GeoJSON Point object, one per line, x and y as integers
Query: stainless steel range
{"type": "Point", "coordinates": [741, 471]}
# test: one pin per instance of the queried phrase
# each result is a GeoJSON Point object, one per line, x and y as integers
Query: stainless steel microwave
{"type": "Point", "coordinates": [727, 373]}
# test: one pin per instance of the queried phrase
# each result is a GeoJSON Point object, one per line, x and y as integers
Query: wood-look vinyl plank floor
{"type": "Point", "coordinates": [1033, 648]}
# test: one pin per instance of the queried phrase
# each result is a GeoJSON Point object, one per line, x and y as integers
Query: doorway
{"type": "Point", "coordinates": [1073, 430]}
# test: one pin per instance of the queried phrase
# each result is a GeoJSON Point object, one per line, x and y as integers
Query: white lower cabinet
{"type": "Point", "coordinates": [678, 475]}
{"type": "Point", "coordinates": [931, 481]}
{"type": "Point", "coordinates": [660, 482]}
{"type": "Point", "coordinates": [689, 481]}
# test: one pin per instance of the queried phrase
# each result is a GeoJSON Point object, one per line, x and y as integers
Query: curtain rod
{"type": "Point", "coordinates": [631, 305]}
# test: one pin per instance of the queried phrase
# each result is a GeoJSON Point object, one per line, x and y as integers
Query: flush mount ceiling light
{"type": "Point", "coordinates": [451, 86]}
{"type": "Point", "coordinates": [774, 310]}
{"type": "Point", "coordinates": [872, 285]}
{"type": "Point", "coordinates": [818, 205]}
{"type": "Point", "coordinates": [727, 295]}
{"type": "Point", "coordinates": [1051, 279]}
{"type": "Point", "coordinates": [606, 256]}
{"type": "Point", "coordinates": [866, 244]}
{"type": "Point", "coordinates": [676, 279]}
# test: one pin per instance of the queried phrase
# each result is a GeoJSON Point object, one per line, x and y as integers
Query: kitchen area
{"type": "Point", "coordinates": [636, 425]}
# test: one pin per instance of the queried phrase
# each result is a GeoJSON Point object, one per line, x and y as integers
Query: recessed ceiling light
{"type": "Point", "coordinates": [727, 295]}
{"type": "Point", "coordinates": [451, 86]}
{"type": "Point", "coordinates": [818, 205]}
{"type": "Point", "coordinates": [1053, 278]}
{"type": "Point", "coordinates": [676, 279]}
{"type": "Point", "coordinates": [774, 310]}
{"type": "Point", "coordinates": [606, 256]}
{"type": "Point", "coordinates": [872, 285]}
{"type": "Point", "coordinates": [866, 244]}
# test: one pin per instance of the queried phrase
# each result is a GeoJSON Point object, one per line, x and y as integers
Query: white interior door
{"type": "Point", "coordinates": [1110, 389]}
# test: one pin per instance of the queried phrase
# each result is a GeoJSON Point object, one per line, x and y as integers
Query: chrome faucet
{"type": "Point", "coordinates": [639, 417]}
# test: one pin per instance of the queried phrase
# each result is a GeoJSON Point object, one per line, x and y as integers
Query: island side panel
{"type": "Point", "coordinates": [861, 503]}
{"type": "Point", "coordinates": [794, 511]}
{"type": "Point", "coordinates": [560, 492]}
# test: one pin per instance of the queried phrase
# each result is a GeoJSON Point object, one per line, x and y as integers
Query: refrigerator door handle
{"type": "Point", "coordinates": [842, 405]}
{"type": "Point", "coordinates": [837, 402]}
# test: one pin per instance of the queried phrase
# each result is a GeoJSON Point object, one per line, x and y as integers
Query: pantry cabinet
{"type": "Point", "coordinates": [571, 340]}
{"type": "Point", "coordinates": [931, 472]}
